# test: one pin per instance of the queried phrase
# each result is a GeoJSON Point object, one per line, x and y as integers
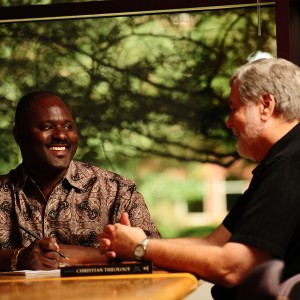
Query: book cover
{"type": "Point", "coordinates": [142, 267]}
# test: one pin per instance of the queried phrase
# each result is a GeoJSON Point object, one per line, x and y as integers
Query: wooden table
{"type": "Point", "coordinates": [156, 286]}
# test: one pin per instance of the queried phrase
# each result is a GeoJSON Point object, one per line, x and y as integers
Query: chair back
{"type": "Point", "coordinates": [263, 283]}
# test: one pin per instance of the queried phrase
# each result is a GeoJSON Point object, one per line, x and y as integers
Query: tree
{"type": "Point", "coordinates": [139, 86]}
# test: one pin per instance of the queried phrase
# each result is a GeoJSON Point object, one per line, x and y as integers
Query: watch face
{"type": "Point", "coordinates": [139, 251]}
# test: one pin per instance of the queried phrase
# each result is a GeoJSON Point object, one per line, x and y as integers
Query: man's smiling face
{"type": "Point", "coordinates": [48, 136]}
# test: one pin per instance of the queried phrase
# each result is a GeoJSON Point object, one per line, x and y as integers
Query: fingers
{"type": "Point", "coordinates": [104, 245]}
{"type": "Point", "coordinates": [51, 260]}
{"type": "Point", "coordinates": [110, 255]}
{"type": "Point", "coordinates": [53, 257]}
{"type": "Point", "coordinates": [120, 239]}
{"type": "Point", "coordinates": [125, 219]}
{"type": "Point", "coordinates": [41, 255]}
{"type": "Point", "coordinates": [35, 258]}
{"type": "Point", "coordinates": [109, 229]}
{"type": "Point", "coordinates": [106, 251]}
{"type": "Point", "coordinates": [48, 244]}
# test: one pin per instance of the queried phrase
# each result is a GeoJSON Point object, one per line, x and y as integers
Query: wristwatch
{"type": "Point", "coordinates": [141, 249]}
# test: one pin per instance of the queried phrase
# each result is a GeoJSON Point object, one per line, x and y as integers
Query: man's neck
{"type": "Point", "coordinates": [46, 181]}
{"type": "Point", "coordinates": [273, 134]}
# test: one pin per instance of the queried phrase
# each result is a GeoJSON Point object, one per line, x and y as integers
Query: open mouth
{"type": "Point", "coordinates": [56, 148]}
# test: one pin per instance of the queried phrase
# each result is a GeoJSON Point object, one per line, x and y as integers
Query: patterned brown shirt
{"type": "Point", "coordinates": [87, 199]}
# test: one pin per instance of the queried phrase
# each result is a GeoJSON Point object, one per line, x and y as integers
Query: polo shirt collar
{"type": "Point", "coordinates": [281, 145]}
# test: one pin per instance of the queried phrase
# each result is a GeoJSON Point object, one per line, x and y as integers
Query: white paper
{"type": "Point", "coordinates": [33, 273]}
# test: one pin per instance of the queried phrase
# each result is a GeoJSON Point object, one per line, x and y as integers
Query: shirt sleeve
{"type": "Point", "coordinates": [140, 217]}
{"type": "Point", "coordinates": [9, 235]}
{"type": "Point", "coordinates": [128, 199]}
{"type": "Point", "coordinates": [269, 210]}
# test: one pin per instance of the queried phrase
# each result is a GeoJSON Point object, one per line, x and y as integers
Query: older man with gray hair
{"type": "Point", "coordinates": [264, 223]}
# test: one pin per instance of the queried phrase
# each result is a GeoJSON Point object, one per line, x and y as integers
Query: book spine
{"type": "Point", "coordinates": [142, 268]}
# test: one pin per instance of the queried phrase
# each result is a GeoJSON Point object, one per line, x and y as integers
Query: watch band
{"type": "Point", "coordinates": [14, 259]}
{"type": "Point", "coordinates": [141, 249]}
{"type": "Point", "coordinates": [144, 242]}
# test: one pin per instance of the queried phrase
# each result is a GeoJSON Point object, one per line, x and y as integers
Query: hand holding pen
{"type": "Point", "coordinates": [33, 234]}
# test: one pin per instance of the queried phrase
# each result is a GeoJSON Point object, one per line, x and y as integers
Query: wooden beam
{"type": "Point", "coordinates": [104, 8]}
{"type": "Point", "coordinates": [295, 31]}
{"type": "Point", "coordinates": [288, 29]}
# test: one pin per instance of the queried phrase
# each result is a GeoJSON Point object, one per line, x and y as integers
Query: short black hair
{"type": "Point", "coordinates": [26, 102]}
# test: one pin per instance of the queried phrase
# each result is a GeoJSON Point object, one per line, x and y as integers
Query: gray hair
{"type": "Point", "coordinates": [275, 76]}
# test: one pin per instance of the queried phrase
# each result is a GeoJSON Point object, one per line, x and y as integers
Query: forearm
{"type": "Point", "coordinates": [219, 237]}
{"type": "Point", "coordinates": [81, 255]}
{"type": "Point", "coordinates": [189, 241]}
{"type": "Point", "coordinates": [5, 259]}
{"type": "Point", "coordinates": [226, 265]}
{"type": "Point", "coordinates": [167, 254]}
{"type": "Point", "coordinates": [213, 258]}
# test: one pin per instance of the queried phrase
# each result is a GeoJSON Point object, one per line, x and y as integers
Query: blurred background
{"type": "Point", "coordinates": [150, 96]}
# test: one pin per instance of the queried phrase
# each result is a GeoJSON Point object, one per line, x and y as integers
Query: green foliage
{"type": "Point", "coordinates": [143, 86]}
{"type": "Point", "coordinates": [201, 231]}
{"type": "Point", "coordinates": [173, 184]}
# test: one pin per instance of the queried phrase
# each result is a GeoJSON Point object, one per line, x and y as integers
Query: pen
{"type": "Point", "coordinates": [32, 233]}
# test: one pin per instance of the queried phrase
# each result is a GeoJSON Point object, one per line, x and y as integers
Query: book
{"type": "Point", "coordinates": [143, 267]}
{"type": "Point", "coordinates": [33, 273]}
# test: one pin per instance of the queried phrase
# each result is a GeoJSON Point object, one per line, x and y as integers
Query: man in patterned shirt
{"type": "Point", "coordinates": [65, 203]}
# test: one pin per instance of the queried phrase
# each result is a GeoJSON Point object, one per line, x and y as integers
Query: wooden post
{"type": "Point", "coordinates": [288, 29]}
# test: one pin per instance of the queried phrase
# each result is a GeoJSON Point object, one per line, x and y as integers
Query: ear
{"type": "Point", "coordinates": [267, 106]}
{"type": "Point", "coordinates": [16, 133]}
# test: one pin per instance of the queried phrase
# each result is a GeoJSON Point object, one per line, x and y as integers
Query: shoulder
{"type": "Point", "coordinates": [86, 169]}
{"type": "Point", "coordinates": [5, 177]}
{"type": "Point", "coordinates": [9, 179]}
{"type": "Point", "coordinates": [5, 181]}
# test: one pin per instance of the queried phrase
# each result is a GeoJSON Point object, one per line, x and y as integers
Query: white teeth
{"type": "Point", "coordinates": [58, 148]}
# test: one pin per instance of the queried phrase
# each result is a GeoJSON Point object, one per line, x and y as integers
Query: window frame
{"type": "Point", "coordinates": [287, 14]}
{"type": "Point", "coordinates": [104, 8]}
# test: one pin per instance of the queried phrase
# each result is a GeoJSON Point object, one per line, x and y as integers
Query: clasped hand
{"type": "Point", "coordinates": [120, 239]}
{"type": "Point", "coordinates": [41, 255]}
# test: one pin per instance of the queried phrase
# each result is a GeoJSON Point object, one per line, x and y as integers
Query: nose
{"type": "Point", "coordinates": [228, 123]}
{"type": "Point", "coordinates": [59, 134]}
